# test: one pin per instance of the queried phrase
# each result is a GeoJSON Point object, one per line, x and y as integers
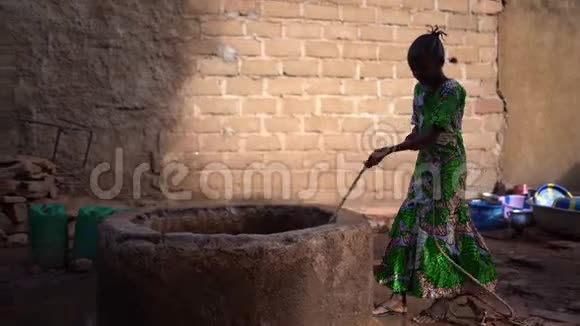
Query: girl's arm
{"type": "Point", "coordinates": [415, 141]}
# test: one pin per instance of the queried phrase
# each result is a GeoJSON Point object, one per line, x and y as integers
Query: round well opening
{"type": "Point", "coordinates": [234, 219]}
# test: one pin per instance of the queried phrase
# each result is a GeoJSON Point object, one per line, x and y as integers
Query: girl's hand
{"type": "Point", "coordinates": [377, 156]}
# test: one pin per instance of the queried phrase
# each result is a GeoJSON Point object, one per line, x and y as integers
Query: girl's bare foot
{"type": "Point", "coordinates": [394, 305]}
{"type": "Point", "coordinates": [437, 312]}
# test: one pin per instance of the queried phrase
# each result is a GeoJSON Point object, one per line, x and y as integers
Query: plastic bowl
{"type": "Point", "coordinates": [487, 216]}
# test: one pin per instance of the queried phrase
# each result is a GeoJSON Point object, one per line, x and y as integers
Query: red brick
{"type": "Point", "coordinates": [324, 86]}
{"type": "Point", "coordinates": [429, 18]}
{"type": "Point", "coordinates": [461, 6]}
{"type": "Point", "coordinates": [224, 28]}
{"type": "Point", "coordinates": [178, 143]}
{"type": "Point", "coordinates": [302, 142]}
{"type": "Point", "coordinates": [487, 24]}
{"type": "Point", "coordinates": [376, 70]}
{"type": "Point", "coordinates": [356, 124]}
{"type": "Point", "coordinates": [203, 125]}
{"type": "Point", "coordinates": [219, 143]}
{"type": "Point", "coordinates": [393, 52]}
{"type": "Point", "coordinates": [303, 31]}
{"type": "Point", "coordinates": [337, 105]}
{"type": "Point", "coordinates": [264, 29]}
{"type": "Point", "coordinates": [217, 105]}
{"type": "Point", "coordinates": [385, 3]}
{"type": "Point", "coordinates": [244, 124]}
{"type": "Point", "coordinates": [340, 142]}
{"type": "Point", "coordinates": [283, 48]}
{"type": "Point", "coordinates": [464, 54]}
{"type": "Point", "coordinates": [321, 124]}
{"type": "Point", "coordinates": [394, 17]}
{"type": "Point", "coordinates": [375, 106]}
{"type": "Point", "coordinates": [260, 68]}
{"type": "Point", "coordinates": [395, 87]}
{"type": "Point", "coordinates": [205, 86]}
{"type": "Point", "coordinates": [360, 51]}
{"type": "Point", "coordinates": [488, 7]}
{"type": "Point", "coordinates": [488, 106]}
{"type": "Point", "coordinates": [312, 11]}
{"type": "Point", "coordinates": [359, 15]}
{"type": "Point", "coordinates": [217, 67]}
{"type": "Point", "coordinates": [481, 140]}
{"type": "Point", "coordinates": [300, 67]}
{"type": "Point", "coordinates": [480, 71]}
{"type": "Point", "coordinates": [340, 32]}
{"type": "Point", "coordinates": [473, 125]}
{"type": "Point", "coordinates": [281, 9]}
{"type": "Point", "coordinates": [243, 86]}
{"type": "Point", "coordinates": [467, 22]}
{"type": "Point", "coordinates": [292, 105]}
{"type": "Point", "coordinates": [287, 86]}
{"type": "Point", "coordinates": [487, 54]}
{"type": "Point", "coordinates": [453, 71]}
{"type": "Point", "coordinates": [404, 105]}
{"type": "Point", "coordinates": [282, 124]}
{"type": "Point", "coordinates": [361, 87]}
{"type": "Point", "coordinates": [408, 35]}
{"type": "Point", "coordinates": [480, 39]}
{"type": "Point", "coordinates": [241, 6]}
{"type": "Point", "coordinates": [338, 68]}
{"type": "Point", "coordinates": [244, 47]}
{"type": "Point", "coordinates": [321, 49]}
{"type": "Point", "coordinates": [403, 70]}
{"type": "Point", "coordinates": [376, 33]}
{"type": "Point", "coordinates": [494, 122]}
{"type": "Point", "coordinates": [263, 143]}
{"type": "Point", "coordinates": [418, 4]}
{"type": "Point", "coordinates": [196, 7]}
{"type": "Point", "coordinates": [259, 105]}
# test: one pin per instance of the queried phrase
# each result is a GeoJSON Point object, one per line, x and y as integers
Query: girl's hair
{"type": "Point", "coordinates": [429, 44]}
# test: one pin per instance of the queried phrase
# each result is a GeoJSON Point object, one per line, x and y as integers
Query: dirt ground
{"type": "Point", "coordinates": [539, 277]}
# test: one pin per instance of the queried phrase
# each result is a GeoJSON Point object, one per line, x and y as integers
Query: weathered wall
{"type": "Point", "coordinates": [539, 56]}
{"type": "Point", "coordinates": [224, 87]}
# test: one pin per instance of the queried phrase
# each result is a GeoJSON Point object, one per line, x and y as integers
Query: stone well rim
{"type": "Point", "coordinates": [120, 227]}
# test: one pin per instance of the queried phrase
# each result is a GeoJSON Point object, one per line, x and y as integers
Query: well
{"type": "Point", "coordinates": [234, 265]}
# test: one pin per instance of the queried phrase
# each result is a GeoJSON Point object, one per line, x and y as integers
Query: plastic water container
{"type": "Point", "coordinates": [86, 230]}
{"type": "Point", "coordinates": [512, 202]}
{"type": "Point", "coordinates": [48, 235]}
{"type": "Point", "coordinates": [487, 216]}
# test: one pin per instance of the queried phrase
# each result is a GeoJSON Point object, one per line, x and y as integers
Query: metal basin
{"type": "Point", "coordinates": [561, 221]}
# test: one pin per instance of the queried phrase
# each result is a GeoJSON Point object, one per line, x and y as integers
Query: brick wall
{"type": "Point", "coordinates": [280, 99]}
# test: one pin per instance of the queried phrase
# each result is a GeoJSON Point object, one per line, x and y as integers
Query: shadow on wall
{"type": "Point", "coordinates": [120, 68]}
{"type": "Point", "coordinates": [571, 179]}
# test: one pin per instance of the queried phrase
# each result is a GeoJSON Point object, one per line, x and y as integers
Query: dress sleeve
{"type": "Point", "coordinates": [446, 109]}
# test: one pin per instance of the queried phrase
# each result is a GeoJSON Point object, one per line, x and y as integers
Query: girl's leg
{"type": "Point", "coordinates": [397, 304]}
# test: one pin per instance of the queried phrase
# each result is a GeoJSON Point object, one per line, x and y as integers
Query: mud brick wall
{"type": "Point", "coordinates": [242, 99]}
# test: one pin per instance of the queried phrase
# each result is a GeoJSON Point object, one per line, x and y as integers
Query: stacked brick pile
{"type": "Point", "coordinates": [22, 178]}
{"type": "Point", "coordinates": [303, 83]}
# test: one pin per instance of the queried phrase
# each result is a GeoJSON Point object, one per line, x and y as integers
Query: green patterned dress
{"type": "Point", "coordinates": [435, 209]}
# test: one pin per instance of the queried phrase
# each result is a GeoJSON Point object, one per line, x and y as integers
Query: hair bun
{"type": "Point", "coordinates": [435, 31]}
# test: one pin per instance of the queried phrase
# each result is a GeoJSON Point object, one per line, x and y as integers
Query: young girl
{"type": "Point", "coordinates": [435, 210]}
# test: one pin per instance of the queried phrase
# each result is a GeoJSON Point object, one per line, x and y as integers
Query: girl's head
{"type": "Point", "coordinates": [426, 57]}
